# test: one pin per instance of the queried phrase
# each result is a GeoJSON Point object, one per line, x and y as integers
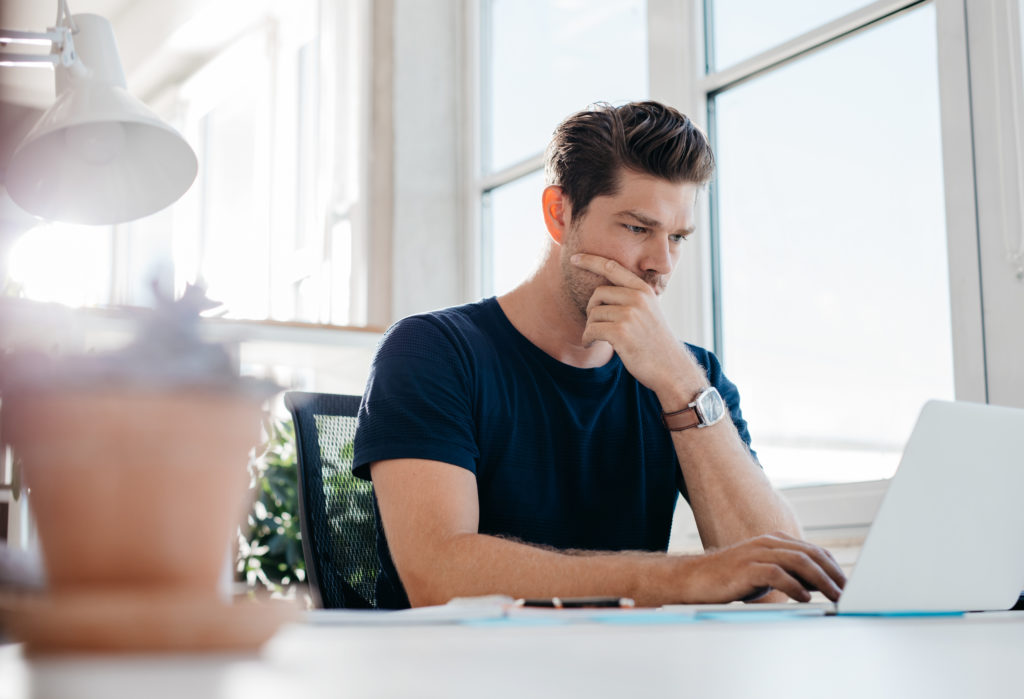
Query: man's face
{"type": "Point", "coordinates": [642, 227]}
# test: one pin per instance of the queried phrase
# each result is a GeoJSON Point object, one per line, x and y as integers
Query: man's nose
{"type": "Point", "coordinates": [658, 256]}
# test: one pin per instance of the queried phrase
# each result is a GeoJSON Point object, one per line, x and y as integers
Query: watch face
{"type": "Point", "coordinates": [710, 406]}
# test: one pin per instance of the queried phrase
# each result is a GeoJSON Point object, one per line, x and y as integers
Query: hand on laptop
{"type": "Point", "coordinates": [750, 569]}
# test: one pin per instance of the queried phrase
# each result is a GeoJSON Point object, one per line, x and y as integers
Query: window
{"type": "Point", "coordinates": [511, 222]}
{"type": "Point", "coordinates": [937, 86]}
{"type": "Point", "coordinates": [277, 202]}
{"type": "Point", "coordinates": [833, 303]}
{"type": "Point", "coordinates": [275, 218]}
{"type": "Point", "coordinates": [223, 233]}
{"type": "Point", "coordinates": [541, 61]}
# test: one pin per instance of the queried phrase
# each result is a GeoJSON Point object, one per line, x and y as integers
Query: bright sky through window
{"type": "Point", "coordinates": [550, 58]}
{"type": "Point", "coordinates": [835, 291]}
{"type": "Point", "coordinates": [512, 219]}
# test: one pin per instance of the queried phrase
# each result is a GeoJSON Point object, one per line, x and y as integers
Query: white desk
{"type": "Point", "coordinates": [972, 656]}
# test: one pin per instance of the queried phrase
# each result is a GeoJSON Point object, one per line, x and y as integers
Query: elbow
{"type": "Point", "coordinates": [432, 575]}
{"type": "Point", "coordinates": [789, 522]}
{"type": "Point", "coordinates": [422, 591]}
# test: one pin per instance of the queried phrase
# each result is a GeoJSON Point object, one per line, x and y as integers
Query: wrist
{"type": "Point", "coordinates": [680, 585]}
{"type": "Point", "coordinates": [683, 382]}
{"type": "Point", "coordinates": [680, 393]}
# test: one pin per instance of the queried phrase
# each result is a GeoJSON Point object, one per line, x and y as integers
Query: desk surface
{"type": "Point", "coordinates": [970, 656]}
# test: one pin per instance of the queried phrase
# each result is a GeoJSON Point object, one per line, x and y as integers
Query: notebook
{"type": "Point", "coordinates": [949, 535]}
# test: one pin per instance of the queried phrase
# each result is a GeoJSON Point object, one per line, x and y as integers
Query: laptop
{"type": "Point", "coordinates": [949, 535]}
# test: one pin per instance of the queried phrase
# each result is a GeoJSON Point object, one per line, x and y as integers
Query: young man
{"type": "Point", "coordinates": [534, 444]}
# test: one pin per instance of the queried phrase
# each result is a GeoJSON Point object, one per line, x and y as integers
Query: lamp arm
{"type": "Point", "coordinates": [58, 37]}
{"type": "Point", "coordinates": [12, 36]}
{"type": "Point", "coordinates": [64, 18]}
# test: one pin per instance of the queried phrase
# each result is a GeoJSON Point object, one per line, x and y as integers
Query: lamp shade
{"type": "Point", "coordinates": [98, 155]}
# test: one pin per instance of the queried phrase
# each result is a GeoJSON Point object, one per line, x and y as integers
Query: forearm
{"type": "Point", "coordinates": [731, 498]}
{"type": "Point", "coordinates": [475, 564]}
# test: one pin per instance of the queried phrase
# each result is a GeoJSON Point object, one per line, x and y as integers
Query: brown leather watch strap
{"type": "Point", "coordinates": [681, 419]}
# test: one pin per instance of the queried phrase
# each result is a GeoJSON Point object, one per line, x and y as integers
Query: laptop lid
{"type": "Point", "coordinates": [949, 535]}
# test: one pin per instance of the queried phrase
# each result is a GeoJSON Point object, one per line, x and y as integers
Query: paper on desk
{"type": "Point", "coordinates": [740, 609]}
{"type": "Point", "coordinates": [457, 611]}
{"type": "Point", "coordinates": [498, 609]}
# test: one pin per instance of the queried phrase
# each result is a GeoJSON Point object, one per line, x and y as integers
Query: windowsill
{"type": "Point", "coordinates": [326, 358]}
{"type": "Point", "coordinates": [54, 326]}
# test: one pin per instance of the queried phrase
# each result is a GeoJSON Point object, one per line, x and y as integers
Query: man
{"type": "Point", "coordinates": [534, 444]}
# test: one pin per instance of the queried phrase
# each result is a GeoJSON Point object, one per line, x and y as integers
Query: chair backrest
{"type": "Point", "coordinates": [339, 536]}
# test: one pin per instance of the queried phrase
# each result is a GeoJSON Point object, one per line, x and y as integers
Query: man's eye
{"type": "Point", "coordinates": [635, 229]}
{"type": "Point", "coordinates": [678, 238]}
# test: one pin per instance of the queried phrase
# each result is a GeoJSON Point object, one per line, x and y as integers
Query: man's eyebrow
{"type": "Point", "coordinates": [651, 222]}
{"type": "Point", "coordinates": [642, 218]}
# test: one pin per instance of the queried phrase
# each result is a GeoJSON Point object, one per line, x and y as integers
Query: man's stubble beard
{"type": "Point", "coordinates": [578, 285]}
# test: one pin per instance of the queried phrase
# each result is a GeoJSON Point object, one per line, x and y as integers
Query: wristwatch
{"type": "Point", "coordinates": [705, 410]}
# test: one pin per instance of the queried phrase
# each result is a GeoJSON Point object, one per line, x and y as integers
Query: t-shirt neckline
{"type": "Point", "coordinates": [605, 371]}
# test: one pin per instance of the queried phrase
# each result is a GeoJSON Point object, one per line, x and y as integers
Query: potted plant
{"type": "Point", "coordinates": [135, 461]}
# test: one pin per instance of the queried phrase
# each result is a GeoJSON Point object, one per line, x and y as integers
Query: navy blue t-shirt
{"type": "Point", "coordinates": [565, 457]}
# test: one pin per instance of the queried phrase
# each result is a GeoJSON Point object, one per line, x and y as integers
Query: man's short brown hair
{"type": "Point", "coordinates": [589, 149]}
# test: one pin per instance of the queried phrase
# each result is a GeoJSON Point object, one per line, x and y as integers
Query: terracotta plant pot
{"type": "Point", "coordinates": [138, 489]}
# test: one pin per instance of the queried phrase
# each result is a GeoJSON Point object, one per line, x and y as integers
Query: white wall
{"type": "Point", "coordinates": [427, 239]}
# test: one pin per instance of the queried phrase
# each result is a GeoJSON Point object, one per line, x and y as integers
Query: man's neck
{"type": "Point", "coordinates": [541, 311]}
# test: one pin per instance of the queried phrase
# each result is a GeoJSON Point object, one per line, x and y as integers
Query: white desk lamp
{"type": "Point", "coordinates": [98, 155]}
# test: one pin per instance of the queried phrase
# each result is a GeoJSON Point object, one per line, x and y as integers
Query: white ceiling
{"type": "Point", "coordinates": [38, 14]}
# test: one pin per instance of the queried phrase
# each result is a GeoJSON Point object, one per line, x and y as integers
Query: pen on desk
{"type": "Point", "coordinates": [575, 602]}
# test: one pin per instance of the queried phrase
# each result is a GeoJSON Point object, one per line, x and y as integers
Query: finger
{"type": "Point", "coordinates": [808, 573]}
{"type": "Point", "coordinates": [822, 557]}
{"type": "Point", "coordinates": [775, 577]}
{"type": "Point", "coordinates": [609, 269]}
{"type": "Point", "coordinates": [607, 314]}
{"type": "Point", "coordinates": [612, 296]}
{"type": "Point", "coordinates": [790, 538]}
{"type": "Point", "coordinates": [827, 563]}
{"type": "Point", "coordinates": [597, 331]}
{"type": "Point", "coordinates": [757, 594]}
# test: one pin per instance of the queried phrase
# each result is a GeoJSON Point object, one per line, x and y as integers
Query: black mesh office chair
{"type": "Point", "coordinates": [335, 508]}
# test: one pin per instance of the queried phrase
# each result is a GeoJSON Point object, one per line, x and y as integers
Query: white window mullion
{"type": "Point", "coordinates": [961, 207]}
{"type": "Point", "coordinates": [512, 172]}
{"type": "Point", "coordinates": [997, 99]}
{"type": "Point", "coordinates": [676, 60]}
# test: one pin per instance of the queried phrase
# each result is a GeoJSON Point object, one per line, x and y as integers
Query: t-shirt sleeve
{"type": "Point", "coordinates": [730, 394]}
{"type": "Point", "coordinates": [417, 402]}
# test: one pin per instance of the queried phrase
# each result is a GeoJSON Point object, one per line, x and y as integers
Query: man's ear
{"type": "Point", "coordinates": [556, 211]}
